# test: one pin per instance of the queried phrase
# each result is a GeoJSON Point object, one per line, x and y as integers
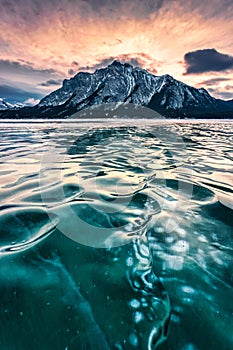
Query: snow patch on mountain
{"type": "Point", "coordinates": [4, 105]}
{"type": "Point", "coordinates": [127, 84]}
{"type": "Point", "coordinates": [123, 84]}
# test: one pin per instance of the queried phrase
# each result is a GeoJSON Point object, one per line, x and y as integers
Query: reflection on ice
{"type": "Point", "coordinates": [118, 306]}
{"type": "Point", "coordinates": [21, 229]}
{"type": "Point", "coordinates": [170, 287]}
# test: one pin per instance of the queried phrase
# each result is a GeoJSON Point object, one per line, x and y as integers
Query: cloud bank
{"type": "Point", "coordinates": [207, 60]}
{"type": "Point", "coordinates": [44, 41]}
{"type": "Point", "coordinates": [14, 95]}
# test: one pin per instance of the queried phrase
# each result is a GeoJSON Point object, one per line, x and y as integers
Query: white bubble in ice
{"type": "Point", "coordinates": [133, 339]}
{"type": "Point", "coordinates": [134, 303]}
{"type": "Point", "coordinates": [138, 317]}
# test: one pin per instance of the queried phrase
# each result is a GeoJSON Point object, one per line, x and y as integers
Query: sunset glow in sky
{"type": "Point", "coordinates": [44, 42]}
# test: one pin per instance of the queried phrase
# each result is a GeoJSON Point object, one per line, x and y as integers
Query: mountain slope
{"type": "Point", "coordinates": [4, 105]}
{"type": "Point", "coordinates": [123, 83]}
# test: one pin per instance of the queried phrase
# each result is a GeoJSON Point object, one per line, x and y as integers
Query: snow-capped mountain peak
{"type": "Point", "coordinates": [4, 105]}
{"type": "Point", "coordinates": [122, 83]}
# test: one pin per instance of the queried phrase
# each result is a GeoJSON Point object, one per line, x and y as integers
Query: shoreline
{"type": "Point", "coordinates": [116, 121]}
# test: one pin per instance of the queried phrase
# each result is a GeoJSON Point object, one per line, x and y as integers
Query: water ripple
{"type": "Point", "coordinates": [23, 228]}
{"type": "Point", "coordinates": [169, 197]}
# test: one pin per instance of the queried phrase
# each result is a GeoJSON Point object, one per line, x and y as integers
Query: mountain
{"type": "Point", "coordinates": [4, 105]}
{"type": "Point", "coordinates": [123, 83]}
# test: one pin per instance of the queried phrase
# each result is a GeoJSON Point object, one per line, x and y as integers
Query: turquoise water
{"type": "Point", "coordinates": [116, 237]}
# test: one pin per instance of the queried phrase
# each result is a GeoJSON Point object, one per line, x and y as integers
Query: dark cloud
{"type": "Point", "coordinates": [207, 60]}
{"type": "Point", "coordinates": [22, 66]}
{"type": "Point", "coordinates": [14, 95]}
{"type": "Point", "coordinates": [75, 63]}
{"type": "Point", "coordinates": [207, 9]}
{"type": "Point", "coordinates": [229, 88]}
{"type": "Point", "coordinates": [136, 60]}
{"type": "Point", "coordinates": [36, 10]}
{"type": "Point", "coordinates": [135, 8]}
{"type": "Point", "coordinates": [219, 93]}
{"type": "Point", "coordinates": [24, 76]}
{"type": "Point", "coordinates": [226, 95]}
{"type": "Point", "coordinates": [213, 81]}
{"type": "Point", "coordinates": [51, 82]}
{"type": "Point", "coordinates": [143, 9]}
{"type": "Point", "coordinates": [100, 64]}
{"type": "Point", "coordinates": [218, 90]}
{"type": "Point", "coordinates": [213, 91]}
{"type": "Point", "coordinates": [31, 15]}
{"type": "Point", "coordinates": [71, 71]}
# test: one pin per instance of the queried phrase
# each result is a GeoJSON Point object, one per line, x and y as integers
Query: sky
{"type": "Point", "coordinates": [44, 42]}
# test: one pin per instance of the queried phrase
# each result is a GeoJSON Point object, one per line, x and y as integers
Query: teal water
{"type": "Point", "coordinates": [116, 237]}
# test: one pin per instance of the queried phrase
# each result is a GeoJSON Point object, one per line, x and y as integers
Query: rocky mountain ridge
{"type": "Point", "coordinates": [123, 83]}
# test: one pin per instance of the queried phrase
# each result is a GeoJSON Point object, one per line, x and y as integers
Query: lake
{"type": "Point", "coordinates": [116, 235]}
